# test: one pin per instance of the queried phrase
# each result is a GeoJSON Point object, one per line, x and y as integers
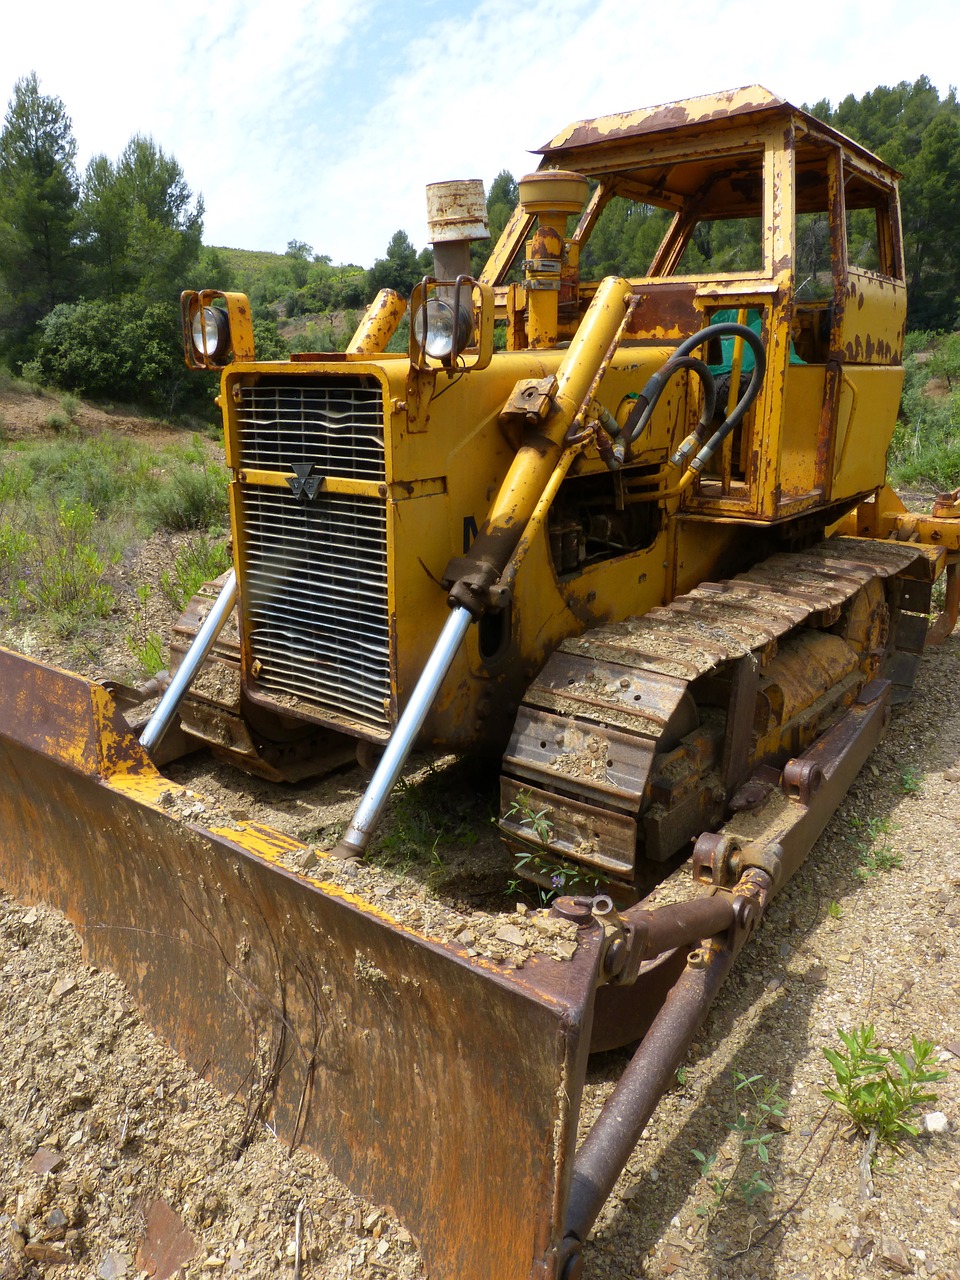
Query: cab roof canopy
{"type": "Point", "coordinates": [662, 155]}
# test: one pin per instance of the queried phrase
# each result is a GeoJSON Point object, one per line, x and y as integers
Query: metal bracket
{"type": "Point", "coordinates": [721, 860]}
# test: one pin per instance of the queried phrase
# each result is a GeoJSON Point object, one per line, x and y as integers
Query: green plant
{"type": "Point", "coordinates": [64, 570]}
{"type": "Point", "coordinates": [147, 652]}
{"type": "Point", "coordinates": [761, 1112]}
{"type": "Point", "coordinates": [539, 865]}
{"type": "Point", "coordinates": [70, 405]}
{"type": "Point", "coordinates": [145, 646]}
{"type": "Point", "coordinates": [880, 1091]}
{"type": "Point", "coordinates": [876, 853]}
{"type": "Point", "coordinates": [196, 564]}
{"type": "Point", "coordinates": [910, 781]}
{"type": "Point", "coordinates": [57, 419]}
{"type": "Point", "coordinates": [834, 910]}
{"type": "Point", "coordinates": [536, 820]}
{"type": "Point", "coordinates": [420, 826]}
{"type": "Point", "coordinates": [193, 495]}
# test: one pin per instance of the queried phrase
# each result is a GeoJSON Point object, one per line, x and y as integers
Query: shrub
{"type": "Point", "coordinates": [119, 350]}
{"type": "Point", "coordinates": [197, 563]}
{"type": "Point", "coordinates": [191, 496]}
{"type": "Point", "coordinates": [63, 567]}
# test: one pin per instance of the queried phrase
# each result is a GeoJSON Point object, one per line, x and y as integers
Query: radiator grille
{"type": "Point", "coordinates": [315, 585]}
{"type": "Point", "coordinates": [336, 423]}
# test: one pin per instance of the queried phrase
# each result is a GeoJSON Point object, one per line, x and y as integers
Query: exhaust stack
{"type": "Point", "coordinates": [456, 216]}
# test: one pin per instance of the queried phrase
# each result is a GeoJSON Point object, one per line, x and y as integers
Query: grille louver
{"type": "Point", "coordinates": [316, 572]}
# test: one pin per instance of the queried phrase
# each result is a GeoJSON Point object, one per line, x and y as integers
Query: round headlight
{"type": "Point", "coordinates": [211, 333]}
{"type": "Point", "coordinates": [438, 341]}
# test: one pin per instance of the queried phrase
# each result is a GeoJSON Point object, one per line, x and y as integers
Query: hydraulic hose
{"type": "Point", "coordinates": [642, 411]}
{"type": "Point", "coordinates": [724, 330]}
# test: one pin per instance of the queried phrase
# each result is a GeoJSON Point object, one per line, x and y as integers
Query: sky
{"type": "Point", "coordinates": [323, 120]}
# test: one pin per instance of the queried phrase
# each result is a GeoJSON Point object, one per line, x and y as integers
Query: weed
{"type": "Point", "coordinates": [761, 1111]}
{"type": "Point", "coordinates": [536, 820]}
{"type": "Point", "coordinates": [422, 826]}
{"type": "Point", "coordinates": [64, 576]}
{"type": "Point", "coordinates": [145, 646]}
{"type": "Point", "coordinates": [57, 419]}
{"type": "Point", "coordinates": [196, 564]}
{"type": "Point", "coordinates": [910, 781]}
{"type": "Point", "coordinates": [539, 865]}
{"type": "Point", "coordinates": [876, 854]}
{"type": "Point", "coordinates": [148, 653]}
{"type": "Point", "coordinates": [834, 910]}
{"type": "Point", "coordinates": [881, 1091]}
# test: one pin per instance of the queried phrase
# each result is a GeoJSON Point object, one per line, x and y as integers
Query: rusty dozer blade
{"type": "Point", "coordinates": [441, 1085]}
{"type": "Point", "coordinates": [433, 1083]}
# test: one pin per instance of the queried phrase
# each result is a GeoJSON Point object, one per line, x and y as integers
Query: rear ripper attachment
{"type": "Point", "coordinates": [639, 735]}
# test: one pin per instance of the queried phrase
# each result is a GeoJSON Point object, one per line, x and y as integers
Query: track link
{"type": "Point", "coordinates": [637, 735]}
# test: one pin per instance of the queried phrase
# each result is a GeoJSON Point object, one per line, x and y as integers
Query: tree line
{"type": "Point", "coordinates": [91, 265]}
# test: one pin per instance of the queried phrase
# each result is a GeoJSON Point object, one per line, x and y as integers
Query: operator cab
{"type": "Point", "coordinates": [737, 207]}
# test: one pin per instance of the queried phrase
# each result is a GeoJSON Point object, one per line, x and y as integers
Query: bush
{"type": "Point", "coordinates": [926, 444]}
{"type": "Point", "coordinates": [116, 351]}
{"type": "Point", "coordinates": [58, 567]}
{"type": "Point", "coordinates": [193, 495]}
{"type": "Point", "coordinates": [196, 564]}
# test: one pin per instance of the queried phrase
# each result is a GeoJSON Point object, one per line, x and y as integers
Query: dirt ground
{"type": "Point", "coordinates": [116, 1161]}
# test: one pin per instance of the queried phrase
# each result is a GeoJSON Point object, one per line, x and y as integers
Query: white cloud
{"type": "Point", "coordinates": [322, 120]}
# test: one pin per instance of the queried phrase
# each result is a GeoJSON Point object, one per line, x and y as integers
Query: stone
{"type": "Point", "coordinates": [61, 989]}
{"type": "Point", "coordinates": [936, 1122]}
{"type": "Point", "coordinates": [113, 1267]}
{"type": "Point", "coordinates": [53, 1254]}
{"type": "Point", "coordinates": [511, 935]}
{"type": "Point", "coordinates": [167, 1244]}
{"type": "Point", "coordinates": [895, 1255]}
{"type": "Point", "coordinates": [45, 1161]}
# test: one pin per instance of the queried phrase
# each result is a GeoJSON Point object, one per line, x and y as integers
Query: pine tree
{"type": "Point", "coordinates": [38, 201]}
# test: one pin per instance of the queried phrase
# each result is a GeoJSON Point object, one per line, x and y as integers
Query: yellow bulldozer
{"type": "Point", "coordinates": [634, 536]}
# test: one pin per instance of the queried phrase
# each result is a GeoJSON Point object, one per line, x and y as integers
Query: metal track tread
{"type": "Point", "coordinates": [608, 704]}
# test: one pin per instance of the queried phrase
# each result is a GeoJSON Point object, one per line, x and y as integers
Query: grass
{"type": "Point", "coordinates": [911, 781]}
{"type": "Point", "coordinates": [200, 561]}
{"type": "Point", "coordinates": [71, 505]}
{"type": "Point", "coordinates": [422, 827]}
{"type": "Point", "coordinates": [876, 854]}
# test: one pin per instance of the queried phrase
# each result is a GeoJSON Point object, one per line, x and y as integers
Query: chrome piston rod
{"type": "Point", "coordinates": [169, 704]}
{"type": "Point", "coordinates": [357, 836]}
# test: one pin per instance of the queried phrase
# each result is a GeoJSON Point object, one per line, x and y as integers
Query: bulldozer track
{"type": "Point", "coordinates": [636, 735]}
